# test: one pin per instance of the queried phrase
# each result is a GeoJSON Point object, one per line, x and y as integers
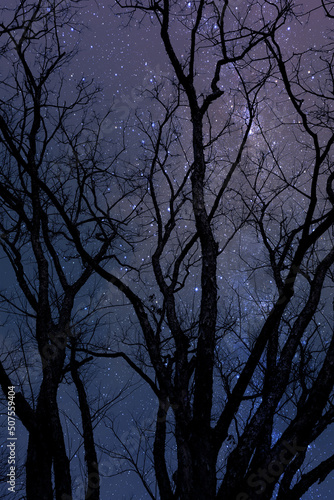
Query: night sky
{"type": "Point", "coordinates": [122, 60]}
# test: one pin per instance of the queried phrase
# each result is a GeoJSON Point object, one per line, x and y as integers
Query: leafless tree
{"type": "Point", "coordinates": [48, 160]}
{"type": "Point", "coordinates": [242, 422]}
{"type": "Point", "coordinates": [235, 152]}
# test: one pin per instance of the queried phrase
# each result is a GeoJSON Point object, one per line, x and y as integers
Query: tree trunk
{"type": "Point", "coordinates": [196, 475]}
{"type": "Point", "coordinates": [47, 447]}
{"type": "Point", "coordinates": [93, 486]}
{"type": "Point", "coordinates": [38, 467]}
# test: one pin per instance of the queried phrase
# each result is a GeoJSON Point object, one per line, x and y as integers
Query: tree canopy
{"type": "Point", "coordinates": [195, 247]}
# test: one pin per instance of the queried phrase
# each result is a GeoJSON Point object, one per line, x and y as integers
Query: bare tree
{"type": "Point", "coordinates": [47, 161]}
{"type": "Point", "coordinates": [246, 431]}
{"type": "Point", "coordinates": [235, 151]}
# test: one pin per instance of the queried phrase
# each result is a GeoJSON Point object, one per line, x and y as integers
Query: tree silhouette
{"type": "Point", "coordinates": [224, 211]}
{"type": "Point", "coordinates": [48, 161]}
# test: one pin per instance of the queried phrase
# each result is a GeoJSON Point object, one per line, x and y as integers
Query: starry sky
{"type": "Point", "coordinates": [122, 60]}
